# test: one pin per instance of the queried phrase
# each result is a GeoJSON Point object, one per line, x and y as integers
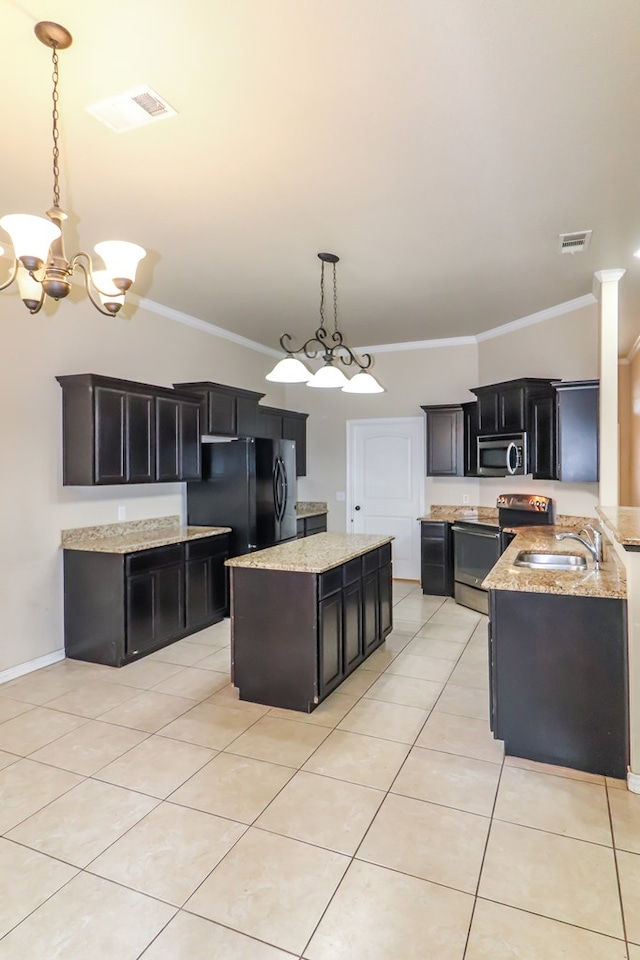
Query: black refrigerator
{"type": "Point", "coordinates": [250, 486]}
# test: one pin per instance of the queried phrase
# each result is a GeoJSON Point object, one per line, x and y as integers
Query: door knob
{"type": "Point", "coordinates": [356, 508]}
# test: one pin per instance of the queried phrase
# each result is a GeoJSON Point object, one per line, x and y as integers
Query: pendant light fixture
{"type": "Point", "coordinates": [334, 350]}
{"type": "Point", "coordinates": [41, 266]}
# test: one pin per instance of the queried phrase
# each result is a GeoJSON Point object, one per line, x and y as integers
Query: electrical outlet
{"type": "Point", "coordinates": [465, 498]}
{"type": "Point", "coordinates": [122, 513]}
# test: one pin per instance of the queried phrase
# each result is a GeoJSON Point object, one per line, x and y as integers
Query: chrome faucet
{"type": "Point", "coordinates": [592, 541]}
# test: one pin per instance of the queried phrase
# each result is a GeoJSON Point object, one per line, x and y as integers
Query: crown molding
{"type": "Point", "coordinates": [418, 345]}
{"type": "Point", "coordinates": [604, 276]}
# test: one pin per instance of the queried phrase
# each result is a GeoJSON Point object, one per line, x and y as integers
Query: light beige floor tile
{"type": "Point", "coordinates": [464, 702]}
{"type": "Point", "coordinates": [449, 632]}
{"type": "Point", "coordinates": [369, 761]}
{"type": "Point", "coordinates": [407, 625]}
{"type": "Point", "coordinates": [464, 736]}
{"type": "Point", "coordinates": [13, 708]}
{"type": "Point", "coordinates": [29, 878]}
{"type": "Point", "coordinates": [279, 741]}
{"type": "Point", "coordinates": [184, 653]}
{"type": "Point", "coordinates": [625, 814]}
{"type": "Point", "coordinates": [326, 714]}
{"type": "Point", "coordinates": [424, 668]}
{"type": "Point", "coordinates": [323, 811]}
{"type": "Point", "coordinates": [557, 877]}
{"type": "Point", "coordinates": [416, 608]}
{"type": "Point", "coordinates": [169, 853]}
{"type": "Point", "coordinates": [219, 660]}
{"type": "Point", "coordinates": [553, 770]}
{"type": "Point", "coordinates": [405, 690]}
{"type": "Point", "coordinates": [379, 660]}
{"type": "Point", "coordinates": [215, 637]}
{"type": "Point", "coordinates": [556, 804]}
{"type": "Point", "coordinates": [6, 759]}
{"type": "Point", "coordinates": [401, 589]}
{"type": "Point", "coordinates": [428, 841]}
{"type": "Point", "coordinates": [143, 674]}
{"type": "Point", "coordinates": [27, 786]}
{"type": "Point", "coordinates": [30, 731]}
{"type": "Point", "coordinates": [188, 937]}
{"type": "Point", "coordinates": [435, 648]}
{"type": "Point", "coordinates": [454, 615]}
{"type": "Point", "coordinates": [92, 698]}
{"type": "Point", "coordinates": [228, 696]}
{"type": "Point", "coordinates": [359, 681]}
{"type": "Point", "coordinates": [615, 784]}
{"type": "Point", "coordinates": [378, 914]}
{"type": "Point", "coordinates": [272, 888]}
{"type": "Point", "coordinates": [503, 933]}
{"type": "Point", "coordinates": [235, 787]}
{"type": "Point", "coordinates": [634, 952]}
{"type": "Point", "coordinates": [89, 748]}
{"type": "Point", "coordinates": [389, 721]}
{"type": "Point", "coordinates": [209, 726]}
{"type": "Point", "coordinates": [99, 813]}
{"type": "Point", "coordinates": [395, 642]}
{"type": "Point", "coordinates": [194, 683]}
{"type": "Point", "coordinates": [88, 919]}
{"type": "Point", "coordinates": [629, 870]}
{"type": "Point", "coordinates": [459, 782]}
{"type": "Point", "coordinates": [470, 674]}
{"type": "Point", "coordinates": [157, 766]}
{"type": "Point", "coordinates": [148, 711]}
{"type": "Point", "coordinates": [37, 687]}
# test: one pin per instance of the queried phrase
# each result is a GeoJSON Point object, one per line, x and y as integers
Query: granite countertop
{"type": "Point", "coordinates": [315, 554]}
{"type": "Point", "coordinates": [451, 514]}
{"type": "Point", "coordinates": [608, 581]}
{"type": "Point", "coordinates": [624, 524]}
{"type": "Point", "coordinates": [309, 508]}
{"type": "Point", "coordinates": [134, 535]}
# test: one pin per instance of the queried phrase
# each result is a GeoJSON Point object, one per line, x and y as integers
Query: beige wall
{"type": "Point", "coordinates": [35, 505]}
{"type": "Point", "coordinates": [625, 421]}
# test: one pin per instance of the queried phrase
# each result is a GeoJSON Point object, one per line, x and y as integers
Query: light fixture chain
{"type": "Point", "coordinates": [56, 134]}
{"type": "Point", "coordinates": [322, 294]}
{"type": "Point", "coordinates": [335, 300]}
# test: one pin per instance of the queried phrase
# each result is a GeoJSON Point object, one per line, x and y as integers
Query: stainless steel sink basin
{"type": "Point", "coordinates": [551, 561]}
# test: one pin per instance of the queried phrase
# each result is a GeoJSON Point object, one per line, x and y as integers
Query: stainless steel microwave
{"type": "Point", "coordinates": [502, 456]}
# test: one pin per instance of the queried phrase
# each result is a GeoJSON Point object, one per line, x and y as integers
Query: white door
{"type": "Point", "coordinates": [385, 485]}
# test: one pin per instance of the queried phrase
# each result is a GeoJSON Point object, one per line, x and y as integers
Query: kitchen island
{"type": "Point", "coordinates": [305, 614]}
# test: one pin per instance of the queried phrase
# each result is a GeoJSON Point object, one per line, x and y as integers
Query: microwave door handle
{"type": "Point", "coordinates": [511, 466]}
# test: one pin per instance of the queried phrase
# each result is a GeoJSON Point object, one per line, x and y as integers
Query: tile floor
{"type": "Point", "coordinates": [146, 812]}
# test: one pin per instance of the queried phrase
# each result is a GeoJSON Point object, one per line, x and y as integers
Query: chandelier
{"type": "Point", "coordinates": [41, 266]}
{"type": "Point", "coordinates": [333, 348]}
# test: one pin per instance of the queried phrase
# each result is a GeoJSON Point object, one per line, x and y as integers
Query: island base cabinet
{"type": "Point", "coordinates": [296, 636]}
{"type": "Point", "coordinates": [558, 679]}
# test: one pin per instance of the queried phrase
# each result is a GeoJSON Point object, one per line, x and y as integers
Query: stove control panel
{"type": "Point", "coordinates": [532, 503]}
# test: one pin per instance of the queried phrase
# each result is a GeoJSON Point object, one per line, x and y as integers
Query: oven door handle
{"type": "Point", "coordinates": [476, 533]}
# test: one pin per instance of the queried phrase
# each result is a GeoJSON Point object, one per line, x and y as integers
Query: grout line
{"type": "Point", "coordinates": [617, 868]}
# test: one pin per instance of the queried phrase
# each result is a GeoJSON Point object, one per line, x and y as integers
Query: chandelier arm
{"type": "Point", "coordinates": [350, 359]}
{"type": "Point", "coordinates": [86, 272]}
{"type": "Point", "coordinates": [14, 274]}
{"type": "Point", "coordinates": [76, 261]}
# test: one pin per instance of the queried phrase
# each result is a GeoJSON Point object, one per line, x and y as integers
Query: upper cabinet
{"type": "Point", "coordinates": [445, 446]}
{"type": "Point", "coordinates": [277, 424]}
{"type": "Point", "coordinates": [577, 418]}
{"type": "Point", "coordinates": [225, 411]}
{"type": "Point", "coordinates": [506, 407]}
{"type": "Point", "coordinates": [118, 431]}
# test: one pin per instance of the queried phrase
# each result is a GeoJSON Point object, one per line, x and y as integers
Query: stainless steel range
{"type": "Point", "coordinates": [477, 545]}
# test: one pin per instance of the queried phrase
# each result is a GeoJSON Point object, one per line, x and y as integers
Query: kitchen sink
{"type": "Point", "coordinates": [551, 561]}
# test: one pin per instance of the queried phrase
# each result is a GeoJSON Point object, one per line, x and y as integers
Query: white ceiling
{"type": "Point", "coordinates": [437, 146]}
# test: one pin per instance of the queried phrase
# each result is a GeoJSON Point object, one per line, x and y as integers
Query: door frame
{"type": "Point", "coordinates": [421, 467]}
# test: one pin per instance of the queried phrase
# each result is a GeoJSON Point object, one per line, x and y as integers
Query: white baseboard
{"type": "Point", "coordinates": [633, 782]}
{"type": "Point", "coordinates": [13, 672]}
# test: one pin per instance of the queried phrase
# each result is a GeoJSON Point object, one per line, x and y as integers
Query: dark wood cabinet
{"type": "Point", "coordinates": [542, 437]}
{"type": "Point", "coordinates": [119, 607]}
{"type": "Point", "coordinates": [558, 679]}
{"type": "Point", "coordinates": [436, 558]}
{"type": "Point", "coordinates": [119, 431]}
{"type": "Point", "coordinates": [225, 411]}
{"type": "Point", "coordinates": [445, 444]}
{"type": "Point", "coordinates": [269, 423]}
{"type": "Point", "coordinates": [276, 424]}
{"type": "Point", "coordinates": [578, 431]}
{"type": "Point", "coordinates": [307, 526]}
{"type": "Point", "coordinates": [470, 437]}
{"type": "Point", "coordinates": [297, 636]}
{"type": "Point", "coordinates": [506, 407]}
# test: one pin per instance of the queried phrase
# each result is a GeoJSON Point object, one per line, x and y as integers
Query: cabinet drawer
{"type": "Point", "coordinates": [384, 555]}
{"type": "Point", "coordinates": [200, 549]}
{"type": "Point", "coordinates": [330, 581]}
{"type": "Point", "coordinates": [154, 558]}
{"type": "Point", "coordinates": [370, 561]}
{"type": "Point", "coordinates": [352, 571]}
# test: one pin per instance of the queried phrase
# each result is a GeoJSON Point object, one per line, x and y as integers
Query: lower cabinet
{"type": "Point", "coordinates": [436, 558]}
{"type": "Point", "coordinates": [558, 679]}
{"type": "Point", "coordinates": [307, 526]}
{"type": "Point", "coordinates": [297, 636]}
{"type": "Point", "coordinates": [119, 607]}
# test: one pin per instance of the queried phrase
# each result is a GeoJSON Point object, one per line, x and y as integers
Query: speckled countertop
{"type": "Point", "coordinates": [450, 514]}
{"type": "Point", "coordinates": [310, 508]}
{"type": "Point", "coordinates": [134, 535]}
{"type": "Point", "coordinates": [608, 581]}
{"type": "Point", "coordinates": [311, 554]}
{"type": "Point", "coordinates": [624, 524]}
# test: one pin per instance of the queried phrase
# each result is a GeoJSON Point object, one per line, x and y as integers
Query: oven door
{"type": "Point", "coordinates": [475, 551]}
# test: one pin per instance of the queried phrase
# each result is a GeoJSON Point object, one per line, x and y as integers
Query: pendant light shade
{"type": "Point", "coordinates": [328, 378]}
{"type": "Point", "coordinates": [333, 349]}
{"type": "Point", "coordinates": [121, 260]}
{"type": "Point", "coordinates": [362, 383]}
{"type": "Point", "coordinates": [110, 297]}
{"type": "Point", "coordinates": [31, 237]}
{"type": "Point", "coordinates": [289, 370]}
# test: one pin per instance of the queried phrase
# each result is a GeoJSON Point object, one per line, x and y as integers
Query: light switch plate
{"type": "Point", "coordinates": [341, 495]}
{"type": "Point", "coordinates": [122, 513]}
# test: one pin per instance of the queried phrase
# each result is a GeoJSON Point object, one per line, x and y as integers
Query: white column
{"type": "Point", "coordinates": [609, 446]}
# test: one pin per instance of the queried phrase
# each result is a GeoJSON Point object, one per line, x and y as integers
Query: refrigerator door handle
{"type": "Point", "coordinates": [285, 488]}
{"type": "Point", "coordinates": [279, 489]}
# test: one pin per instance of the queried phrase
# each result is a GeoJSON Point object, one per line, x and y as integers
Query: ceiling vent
{"type": "Point", "coordinates": [130, 110]}
{"type": "Point", "coordinates": [574, 242]}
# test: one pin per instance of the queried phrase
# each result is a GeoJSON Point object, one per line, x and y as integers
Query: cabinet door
{"type": "Point", "coordinates": [578, 432]}
{"type": "Point", "coordinates": [197, 593]}
{"type": "Point", "coordinates": [470, 432]}
{"type": "Point", "coordinates": [219, 579]}
{"type": "Point", "coordinates": [488, 412]}
{"type": "Point", "coordinates": [167, 439]}
{"type": "Point", "coordinates": [352, 625]}
{"type": "Point", "coordinates": [140, 433]}
{"type": "Point", "coordinates": [110, 435]}
{"type": "Point", "coordinates": [190, 467]}
{"type": "Point", "coordinates": [269, 425]}
{"type": "Point", "coordinates": [370, 611]}
{"type": "Point", "coordinates": [295, 428]}
{"type": "Point", "coordinates": [542, 449]}
{"type": "Point", "coordinates": [385, 601]}
{"type": "Point", "coordinates": [511, 409]}
{"type": "Point", "coordinates": [246, 416]}
{"type": "Point", "coordinates": [436, 568]}
{"type": "Point", "coordinates": [222, 414]}
{"type": "Point", "coordinates": [444, 441]}
{"type": "Point", "coordinates": [169, 602]}
{"type": "Point", "coordinates": [206, 581]}
{"type": "Point", "coordinates": [330, 637]}
{"type": "Point", "coordinates": [140, 619]}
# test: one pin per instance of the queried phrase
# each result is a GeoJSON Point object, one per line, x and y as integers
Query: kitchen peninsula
{"type": "Point", "coordinates": [305, 614]}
